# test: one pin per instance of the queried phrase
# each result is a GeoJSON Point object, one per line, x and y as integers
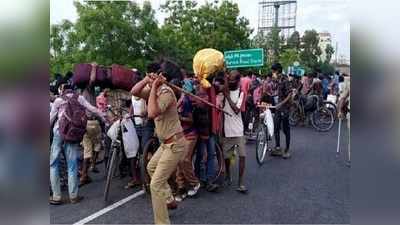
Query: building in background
{"type": "Point", "coordinates": [277, 13]}
{"type": "Point", "coordinates": [343, 64]}
{"type": "Point", "coordinates": [325, 39]}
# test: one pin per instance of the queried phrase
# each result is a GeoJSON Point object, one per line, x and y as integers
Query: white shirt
{"type": "Point", "coordinates": [233, 125]}
{"type": "Point", "coordinates": [57, 112]}
{"type": "Point", "coordinates": [139, 109]}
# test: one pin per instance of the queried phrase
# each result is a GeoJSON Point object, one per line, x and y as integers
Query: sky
{"type": "Point", "coordinates": [321, 15]}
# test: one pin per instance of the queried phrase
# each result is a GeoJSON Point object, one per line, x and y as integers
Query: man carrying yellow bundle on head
{"type": "Point", "coordinates": [206, 62]}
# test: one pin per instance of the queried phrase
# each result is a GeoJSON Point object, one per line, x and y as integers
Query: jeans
{"type": "Point", "coordinates": [71, 151]}
{"type": "Point", "coordinates": [281, 121]}
{"type": "Point", "coordinates": [205, 168]}
{"type": "Point", "coordinates": [144, 133]}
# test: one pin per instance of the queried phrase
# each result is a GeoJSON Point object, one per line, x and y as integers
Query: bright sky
{"type": "Point", "coordinates": [321, 15]}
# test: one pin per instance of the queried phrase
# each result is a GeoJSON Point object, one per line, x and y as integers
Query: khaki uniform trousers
{"type": "Point", "coordinates": [161, 166]}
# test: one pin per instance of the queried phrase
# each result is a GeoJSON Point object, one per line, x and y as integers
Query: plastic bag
{"type": "Point", "coordinates": [269, 122]}
{"type": "Point", "coordinates": [206, 62]}
{"type": "Point", "coordinates": [331, 98]}
{"type": "Point", "coordinates": [129, 136]}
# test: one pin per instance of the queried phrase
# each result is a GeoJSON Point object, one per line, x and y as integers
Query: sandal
{"type": "Point", "coordinates": [85, 181]}
{"type": "Point", "coordinates": [242, 189]}
{"type": "Point", "coordinates": [55, 202]}
{"type": "Point", "coordinates": [133, 183]}
{"type": "Point", "coordinates": [76, 200]}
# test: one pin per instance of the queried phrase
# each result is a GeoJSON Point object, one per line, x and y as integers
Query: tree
{"type": "Point", "coordinates": [274, 44]}
{"type": "Point", "coordinates": [288, 57]}
{"type": "Point", "coordinates": [294, 41]}
{"type": "Point", "coordinates": [329, 51]}
{"type": "Point", "coordinates": [60, 61]}
{"type": "Point", "coordinates": [327, 68]}
{"type": "Point", "coordinates": [310, 52]}
{"type": "Point", "coordinates": [107, 33]}
{"type": "Point", "coordinates": [190, 28]}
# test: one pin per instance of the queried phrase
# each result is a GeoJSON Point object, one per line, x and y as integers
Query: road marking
{"type": "Point", "coordinates": [109, 208]}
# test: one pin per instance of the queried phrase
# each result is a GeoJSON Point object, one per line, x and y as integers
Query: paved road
{"type": "Point", "coordinates": [313, 187]}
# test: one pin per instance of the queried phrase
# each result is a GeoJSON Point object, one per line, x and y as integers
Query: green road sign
{"type": "Point", "coordinates": [244, 58]}
{"type": "Point", "coordinates": [296, 70]}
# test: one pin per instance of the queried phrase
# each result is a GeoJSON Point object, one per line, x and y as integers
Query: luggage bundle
{"type": "Point", "coordinates": [116, 76]}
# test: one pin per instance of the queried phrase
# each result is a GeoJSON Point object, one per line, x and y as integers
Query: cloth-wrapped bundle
{"type": "Point", "coordinates": [206, 62]}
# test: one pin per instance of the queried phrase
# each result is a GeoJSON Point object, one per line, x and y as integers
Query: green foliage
{"type": "Point", "coordinates": [327, 68]}
{"type": "Point", "coordinates": [190, 28]}
{"type": "Point", "coordinates": [288, 57]}
{"type": "Point", "coordinates": [310, 49]}
{"type": "Point", "coordinates": [273, 47]}
{"type": "Point", "coordinates": [124, 33]}
{"type": "Point", "coordinates": [329, 51]}
{"type": "Point", "coordinates": [274, 43]}
{"type": "Point", "coordinates": [294, 41]}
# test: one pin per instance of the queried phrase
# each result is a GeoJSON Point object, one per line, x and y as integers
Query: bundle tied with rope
{"type": "Point", "coordinates": [205, 63]}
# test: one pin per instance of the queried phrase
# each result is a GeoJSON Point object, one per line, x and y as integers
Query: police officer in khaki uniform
{"type": "Point", "coordinates": [162, 106]}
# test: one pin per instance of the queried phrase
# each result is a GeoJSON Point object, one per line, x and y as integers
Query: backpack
{"type": "Point", "coordinates": [72, 124]}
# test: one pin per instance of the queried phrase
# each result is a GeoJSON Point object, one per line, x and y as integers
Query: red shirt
{"type": "Point", "coordinates": [216, 115]}
{"type": "Point", "coordinates": [245, 83]}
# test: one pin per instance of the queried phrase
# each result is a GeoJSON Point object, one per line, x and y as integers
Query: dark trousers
{"type": "Point", "coordinates": [281, 121]}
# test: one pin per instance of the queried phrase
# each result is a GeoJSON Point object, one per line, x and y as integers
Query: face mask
{"type": "Point", "coordinates": [233, 86]}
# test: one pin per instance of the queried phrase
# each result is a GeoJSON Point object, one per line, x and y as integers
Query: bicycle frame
{"type": "Point", "coordinates": [302, 110]}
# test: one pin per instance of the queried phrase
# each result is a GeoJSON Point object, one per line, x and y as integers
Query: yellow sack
{"type": "Point", "coordinates": [206, 62]}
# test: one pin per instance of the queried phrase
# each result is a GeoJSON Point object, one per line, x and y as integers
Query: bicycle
{"type": "Point", "coordinates": [219, 162]}
{"type": "Point", "coordinates": [263, 141]}
{"type": "Point", "coordinates": [149, 149]}
{"type": "Point", "coordinates": [116, 151]}
{"type": "Point", "coordinates": [253, 125]}
{"type": "Point", "coordinates": [322, 118]}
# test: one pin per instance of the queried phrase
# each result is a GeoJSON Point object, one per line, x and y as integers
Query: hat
{"type": "Point", "coordinates": [205, 62]}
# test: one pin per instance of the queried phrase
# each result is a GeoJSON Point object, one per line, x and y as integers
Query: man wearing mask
{"type": "Point", "coordinates": [282, 102]}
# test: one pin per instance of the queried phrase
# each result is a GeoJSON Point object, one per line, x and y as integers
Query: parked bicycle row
{"type": "Point", "coordinates": [172, 131]}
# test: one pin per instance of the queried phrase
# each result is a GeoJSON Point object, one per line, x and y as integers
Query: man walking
{"type": "Point", "coordinates": [67, 106]}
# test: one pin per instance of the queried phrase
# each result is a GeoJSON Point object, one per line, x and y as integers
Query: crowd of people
{"type": "Point", "coordinates": [185, 126]}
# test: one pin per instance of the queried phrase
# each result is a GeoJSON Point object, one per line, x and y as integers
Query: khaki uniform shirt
{"type": "Point", "coordinates": [167, 124]}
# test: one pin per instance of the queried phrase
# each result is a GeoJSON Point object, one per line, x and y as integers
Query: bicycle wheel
{"type": "Point", "coordinates": [294, 115]}
{"type": "Point", "coordinates": [149, 149]}
{"type": "Point", "coordinates": [330, 106]}
{"type": "Point", "coordinates": [110, 172]}
{"type": "Point", "coordinates": [261, 145]}
{"type": "Point", "coordinates": [322, 119]}
{"type": "Point", "coordinates": [219, 154]}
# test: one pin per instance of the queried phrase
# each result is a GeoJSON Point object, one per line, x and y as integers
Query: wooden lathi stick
{"type": "Point", "coordinates": [196, 97]}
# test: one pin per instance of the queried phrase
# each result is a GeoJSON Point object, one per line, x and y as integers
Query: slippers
{"type": "Point", "coordinates": [83, 182]}
{"type": "Point", "coordinates": [242, 189]}
{"type": "Point", "coordinates": [55, 202]}
{"type": "Point", "coordinates": [132, 184]}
